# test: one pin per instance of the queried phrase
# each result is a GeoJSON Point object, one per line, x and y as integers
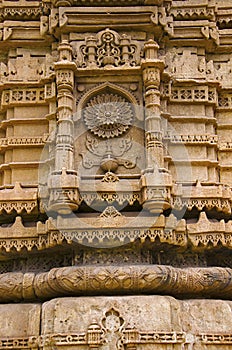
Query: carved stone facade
{"type": "Point", "coordinates": [115, 174]}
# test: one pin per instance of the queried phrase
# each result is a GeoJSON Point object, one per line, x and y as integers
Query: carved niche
{"type": "Point", "coordinates": [109, 138]}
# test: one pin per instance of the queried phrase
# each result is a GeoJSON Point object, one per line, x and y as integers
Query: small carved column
{"type": "Point", "coordinates": [65, 84]}
{"type": "Point", "coordinates": [156, 178]}
{"type": "Point", "coordinates": [94, 334]}
{"type": "Point", "coordinates": [91, 45]}
{"type": "Point", "coordinates": [152, 68]}
{"type": "Point", "coordinates": [64, 195]}
{"type": "Point", "coordinates": [125, 44]}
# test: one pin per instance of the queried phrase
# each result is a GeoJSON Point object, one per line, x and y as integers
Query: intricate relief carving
{"type": "Point", "coordinates": [192, 139]}
{"type": "Point", "coordinates": [130, 336]}
{"type": "Point", "coordinates": [109, 49]}
{"type": "Point", "coordinates": [213, 282]}
{"type": "Point", "coordinates": [192, 13]}
{"type": "Point", "coordinates": [17, 199]}
{"type": "Point", "coordinates": [225, 100]}
{"type": "Point", "coordinates": [22, 96]}
{"type": "Point", "coordinates": [110, 212]}
{"type": "Point", "coordinates": [39, 65]}
{"type": "Point", "coordinates": [116, 256]}
{"type": "Point", "coordinates": [214, 338]}
{"type": "Point", "coordinates": [22, 141]}
{"type": "Point", "coordinates": [110, 197]}
{"type": "Point", "coordinates": [108, 115]}
{"type": "Point", "coordinates": [20, 343]}
{"type": "Point", "coordinates": [22, 10]}
{"type": "Point", "coordinates": [112, 331]}
{"type": "Point", "coordinates": [204, 234]}
{"type": "Point", "coordinates": [108, 154]}
{"type": "Point", "coordinates": [110, 177]}
{"type": "Point", "coordinates": [191, 94]}
{"type": "Point", "coordinates": [202, 203]}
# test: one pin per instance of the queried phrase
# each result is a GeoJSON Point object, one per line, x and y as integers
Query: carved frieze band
{"type": "Point", "coordinates": [19, 96]}
{"type": "Point", "coordinates": [115, 280]}
{"type": "Point", "coordinates": [22, 141]}
{"type": "Point", "coordinates": [203, 234]}
{"type": "Point", "coordinates": [196, 94]}
{"type": "Point", "coordinates": [131, 336]}
{"type": "Point", "coordinates": [203, 139]}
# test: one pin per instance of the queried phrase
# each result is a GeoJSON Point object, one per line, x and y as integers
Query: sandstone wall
{"type": "Point", "coordinates": [115, 174]}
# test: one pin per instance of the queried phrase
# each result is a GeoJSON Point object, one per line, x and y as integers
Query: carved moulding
{"type": "Point", "coordinates": [116, 280]}
{"type": "Point", "coordinates": [196, 12]}
{"type": "Point", "coordinates": [18, 199]}
{"type": "Point", "coordinates": [58, 3]}
{"type": "Point", "coordinates": [79, 19]}
{"type": "Point", "coordinates": [130, 336]}
{"type": "Point", "coordinates": [22, 96]}
{"type": "Point", "coordinates": [112, 226]}
{"type": "Point", "coordinates": [203, 198]}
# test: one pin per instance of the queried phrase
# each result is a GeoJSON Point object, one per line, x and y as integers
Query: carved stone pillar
{"type": "Point", "coordinates": [155, 179]}
{"type": "Point", "coordinates": [152, 68]}
{"type": "Point", "coordinates": [64, 195]}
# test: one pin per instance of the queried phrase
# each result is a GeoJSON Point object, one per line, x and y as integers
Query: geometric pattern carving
{"type": "Point", "coordinates": [130, 337]}
{"type": "Point", "coordinates": [190, 94]}
{"type": "Point", "coordinates": [210, 282]}
{"type": "Point", "coordinates": [19, 96]}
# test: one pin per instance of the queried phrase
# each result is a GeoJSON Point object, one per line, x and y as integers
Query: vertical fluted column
{"type": "Point", "coordinates": [155, 182]}
{"type": "Point", "coordinates": [64, 194]}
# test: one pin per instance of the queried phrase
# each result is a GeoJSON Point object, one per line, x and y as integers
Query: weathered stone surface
{"type": "Point", "coordinates": [19, 320]}
{"type": "Point", "coordinates": [205, 316]}
{"type": "Point", "coordinates": [145, 312]}
{"type": "Point", "coordinates": [156, 321]}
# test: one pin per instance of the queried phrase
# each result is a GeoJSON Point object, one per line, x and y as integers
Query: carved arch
{"type": "Point", "coordinates": [104, 87]}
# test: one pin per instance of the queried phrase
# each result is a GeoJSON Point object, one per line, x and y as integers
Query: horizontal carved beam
{"type": "Point", "coordinates": [210, 282]}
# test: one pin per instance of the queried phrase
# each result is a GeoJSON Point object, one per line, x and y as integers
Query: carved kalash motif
{"type": "Point", "coordinates": [115, 174]}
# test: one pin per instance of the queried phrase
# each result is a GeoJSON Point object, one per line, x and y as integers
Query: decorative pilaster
{"type": "Point", "coordinates": [64, 194]}
{"type": "Point", "coordinates": [156, 180]}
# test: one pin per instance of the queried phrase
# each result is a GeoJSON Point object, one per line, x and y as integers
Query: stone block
{"type": "Point", "coordinates": [19, 320]}
{"type": "Point", "coordinates": [147, 313]}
